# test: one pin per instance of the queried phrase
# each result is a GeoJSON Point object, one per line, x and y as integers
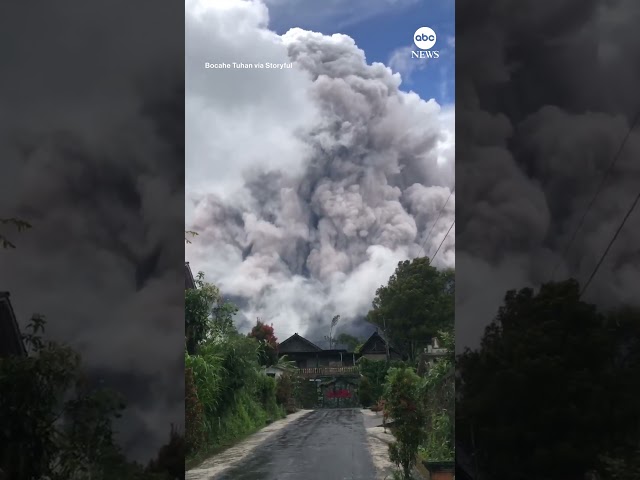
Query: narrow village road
{"type": "Point", "coordinates": [322, 445]}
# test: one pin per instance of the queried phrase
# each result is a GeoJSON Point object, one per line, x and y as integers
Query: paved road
{"type": "Point", "coordinates": [324, 445]}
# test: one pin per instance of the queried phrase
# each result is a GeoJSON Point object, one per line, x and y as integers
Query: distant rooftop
{"type": "Point", "coordinates": [10, 336]}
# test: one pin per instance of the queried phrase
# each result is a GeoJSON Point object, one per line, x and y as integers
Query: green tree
{"type": "Point", "coordinates": [206, 314]}
{"type": "Point", "coordinates": [53, 424]}
{"type": "Point", "coordinates": [365, 392]}
{"type": "Point", "coordinates": [170, 459]}
{"type": "Point", "coordinates": [417, 302]}
{"type": "Point", "coordinates": [350, 341]}
{"type": "Point", "coordinates": [375, 373]}
{"type": "Point", "coordinates": [553, 379]}
{"type": "Point", "coordinates": [403, 402]}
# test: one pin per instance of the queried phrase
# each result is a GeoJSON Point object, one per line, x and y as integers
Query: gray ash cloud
{"type": "Point", "coordinates": [534, 140]}
{"type": "Point", "coordinates": [310, 236]}
{"type": "Point", "coordinates": [92, 142]}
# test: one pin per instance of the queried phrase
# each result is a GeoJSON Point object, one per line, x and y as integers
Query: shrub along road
{"type": "Point", "coordinates": [321, 445]}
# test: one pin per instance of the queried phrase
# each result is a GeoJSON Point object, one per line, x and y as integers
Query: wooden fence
{"type": "Point", "coordinates": [329, 371]}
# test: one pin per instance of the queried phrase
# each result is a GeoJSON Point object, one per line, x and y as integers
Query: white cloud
{"type": "Point", "coordinates": [400, 61]}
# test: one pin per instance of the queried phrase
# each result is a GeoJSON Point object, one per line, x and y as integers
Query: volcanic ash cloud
{"type": "Point", "coordinates": [297, 245]}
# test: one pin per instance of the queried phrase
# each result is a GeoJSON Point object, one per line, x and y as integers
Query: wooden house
{"type": "Point", "coordinates": [10, 337]}
{"type": "Point", "coordinates": [306, 354]}
{"type": "Point", "coordinates": [377, 347]}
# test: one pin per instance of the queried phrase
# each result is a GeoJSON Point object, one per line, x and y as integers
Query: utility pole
{"type": "Point", "coordinates": [334, 322]}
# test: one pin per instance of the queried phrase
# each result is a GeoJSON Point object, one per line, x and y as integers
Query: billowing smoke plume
{"type": "Point", "coordinates": [342, 173]}
{"type": "Point", "coordinates": [92, 141]}
{"type": "Point", "coordinates": [536, 138]}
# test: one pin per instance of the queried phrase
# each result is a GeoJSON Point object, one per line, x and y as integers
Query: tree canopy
{"type": "Point", "coordinates": [416, 303]}
{"type": "Point", "coordinates": [553, 389]}
{"type": "Point", "coordinates": [263, 333]}
{"type": "Point", "coordinates": [350, 341]}
{"type": "Point", "coordinates": [56, 425]}
{"type": "Point", "coordinates": [206, 313]}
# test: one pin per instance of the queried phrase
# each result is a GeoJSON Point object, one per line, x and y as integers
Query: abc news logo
{"type": "Point", "coordinates": [425, 39]}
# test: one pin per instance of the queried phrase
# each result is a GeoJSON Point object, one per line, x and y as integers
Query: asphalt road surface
{"type": "Point", "coordinates": [324, 445]}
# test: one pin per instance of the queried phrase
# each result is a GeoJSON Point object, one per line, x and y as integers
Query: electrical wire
{"type": "Point", "coordinates": [436, 221]}
{"type": "Point", "coordinates": [445, 237]}
{"type": "Point", "coordinates": [613, 239]}
{"type": "Point", "coordinates": [596, 194]}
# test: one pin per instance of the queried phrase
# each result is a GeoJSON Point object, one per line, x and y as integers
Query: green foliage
{"type": "Point", "coordinates": [404, 405]}
{"type": "Point", "coordinates": [417, 302]}
{"type": "Point", "coordinates": [365, 392]}
{"type": "Point", "coordinates": [288, 391]}
{"type": "Point", "coordinates": [195, 435]}
{"type": "Point", "coordinates": [170, 458]}
{"type": "Point", "coordinates": [228, 394]}
{"type": "Point", "coordinates": [437, 391]}
{"type": "Point", "coordinates": [206, 314]}
{"type": "Point", "coordinates": [621, 468]}
{"type": "Point", "coordinates": [375, 371]}
{"type": "Point", "coordinates": [266, 394]}
{"type": "Point", "coordinates": [554, 378]}
{"type": "Point", "coordinates": [349, 340]}
{"type": "Point", "coordinates": [198, 306]}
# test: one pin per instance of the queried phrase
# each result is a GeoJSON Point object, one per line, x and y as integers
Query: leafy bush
{"type": "Point", "coordinates": [438, 395]}
{"type": "Point", "coordinates": [266, 393]}
{"type": "Point", "coordinates": [404, 406]}
{"type": "Point", "coordinates": [365, 392]}
{"type": "Point", "coordinates": [285, 392]}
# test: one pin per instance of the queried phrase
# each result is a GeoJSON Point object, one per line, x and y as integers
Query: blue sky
{"type": "Point", "coordinates": [385, 31]}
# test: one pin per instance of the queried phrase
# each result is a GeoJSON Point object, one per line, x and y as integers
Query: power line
{"type": "Point", "coordinates": [445, 237]}
{"type": "Point", "coordinates": [436, 221]}
{"type": "Point", "coordinates": [597, 193]}
{"type": "Point", "coordinates": [613, 239]}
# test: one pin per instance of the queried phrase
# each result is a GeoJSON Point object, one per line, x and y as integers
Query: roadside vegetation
{"type": "Point", "coordinates": [418, 396]}
{"type": "Point", "coordinates": [228, 395]}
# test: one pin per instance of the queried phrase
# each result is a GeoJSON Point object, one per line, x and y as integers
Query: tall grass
{"type": "Point", "coordinates": [236, 397]}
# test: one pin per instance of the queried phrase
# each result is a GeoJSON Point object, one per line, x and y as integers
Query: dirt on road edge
{"type": "Point", "coordinates": [379, 441]}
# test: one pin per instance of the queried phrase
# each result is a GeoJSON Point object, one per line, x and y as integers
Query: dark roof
{"type": "Point", "coordinates": [10, 337]}
{"type": "Point", "coordinates": [296, 337]}
{"type": "Point", "coordinates": [377, 335]}
{"type": "Point", "coordinates": [189, 281]}
{"type": "Point", "coordinates": [341, 347]}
